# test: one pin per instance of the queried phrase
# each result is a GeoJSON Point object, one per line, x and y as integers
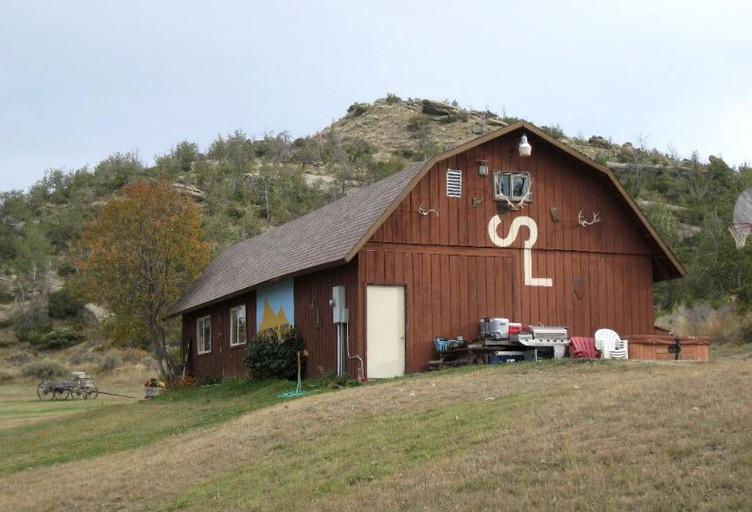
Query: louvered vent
{"type": "Point", "coordinates": [454, 182]}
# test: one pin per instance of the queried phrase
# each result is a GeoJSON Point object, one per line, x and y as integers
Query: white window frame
{"type": "Point", "coordinates": [238, 331]}
{"type": "Point", "coordinates": [203, 342]}
{"type": "Point", "coordinates": [507, 177]}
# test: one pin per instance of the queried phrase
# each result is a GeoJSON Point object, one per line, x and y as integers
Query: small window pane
{"type": "Point", "coordinates": [512, 186]}
{"type": "Point", "coordinates": [203, 335]}
{"type": "Point", "coordinates": [519, 185]}
{"type": "Point", "coordinates": [238, 332]}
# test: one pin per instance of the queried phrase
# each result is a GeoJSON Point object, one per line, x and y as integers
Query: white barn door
{"type": "Point", "coordinates": [385, 331]}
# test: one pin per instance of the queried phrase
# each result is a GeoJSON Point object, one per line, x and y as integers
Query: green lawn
{"type": "Point", "coordinates": [66, 430]}
{"type": "Point", "coordinates": [524, 436]}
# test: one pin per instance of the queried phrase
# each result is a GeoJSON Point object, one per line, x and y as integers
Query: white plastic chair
{"type": "Point", "coordinates": [611, 345]}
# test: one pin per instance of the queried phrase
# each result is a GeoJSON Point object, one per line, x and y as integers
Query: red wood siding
{"type": "Point", "coordinates": [223, 361]}
{"type": "Point", "coordinates": [313, 317]}
{"type": "Point", "coordinates": [454, 274]}
{"type": "Point", "coordinates": [444, 292]}
{"type": "Point", "coordinates": [559, 181]}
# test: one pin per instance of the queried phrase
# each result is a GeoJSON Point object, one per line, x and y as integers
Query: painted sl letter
{"type": "Point", "coordinates": [527, 251]}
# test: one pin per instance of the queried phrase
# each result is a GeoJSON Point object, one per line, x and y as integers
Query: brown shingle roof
{"type": "Point", "coordinates": [323, 237]}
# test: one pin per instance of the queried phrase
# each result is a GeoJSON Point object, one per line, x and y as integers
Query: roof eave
{"type": "Point", "coordinates": [238, 293]}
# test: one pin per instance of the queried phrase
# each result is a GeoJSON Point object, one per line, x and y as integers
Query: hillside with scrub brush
{"type": "Point", "coordinates": [246, 185]}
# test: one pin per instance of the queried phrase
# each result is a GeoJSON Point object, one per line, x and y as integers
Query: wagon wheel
{"type": "Point", "coordinates": [45, 391]}
{"type": "Point", "coordinates": [91, 392]}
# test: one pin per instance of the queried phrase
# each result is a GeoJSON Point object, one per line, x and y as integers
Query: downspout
{"type": "Point", "coordinates": [362, 377]}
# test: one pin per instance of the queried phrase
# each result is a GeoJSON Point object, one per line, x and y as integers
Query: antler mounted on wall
{"type": "Point", "coordinates": [424, 212]}
{"type": "Point", "coordinates": [582, 221]}
{"type": "Point", "coordinates": [519, 204]}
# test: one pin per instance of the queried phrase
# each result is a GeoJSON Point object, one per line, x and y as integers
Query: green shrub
{"type": "Point", "coordinates": [6, 297]}
{"type": "Point", "coordinates": [454, 117]}
{"type": "Point", "coordinates": [417, 123]}
{"type": "Point", "coordinates": [274, 356]}
{"type": "Point", "coordinates": [357, 109]}
{"type": "Point", "coordinates": [66, 269]}
{"type": "Point", "coordinates": [33, 335]}
{"type": "Point", "coordinates": [64, 303]}
{"type": "Point", "coordinates": [46, 369]}
{"type": "Point", "coordinates": [392, 98]}
{"type": "Point", "coordinates": [57, 339]}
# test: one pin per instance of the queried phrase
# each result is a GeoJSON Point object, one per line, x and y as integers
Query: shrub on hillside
{"type": "Point", "coordinates": [57, 339]}
{"type": "Point", "coordinates": [66, 269]}
{"type": "Point", "coordinates": [46, 369]}
{"type": "Point", "coordinates": [33, 335]}
{"type": "Point", "coordinates": [64, 303]}
{"type": "Point", "coordinates": [6, 297]}
{"type": "Point", "coordinates": [417, 123]}
{"type": "Point", "coordinates": [273, 355]}
{"type": "Point", "coordinates": [392, 98]}
{"type": "Point", "coordinates": [357, 109]}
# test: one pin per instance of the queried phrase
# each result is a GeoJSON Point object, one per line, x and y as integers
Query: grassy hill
{"type": "Point", "coordinates": [411, 128]}
{"type": "Point", "coordinates": [529, 436]}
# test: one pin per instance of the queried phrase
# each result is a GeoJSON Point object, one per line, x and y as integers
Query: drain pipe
{"type": "Point", "coordinates": [340, 369]}
{"type": "Point", "coordinates": [362, 377]}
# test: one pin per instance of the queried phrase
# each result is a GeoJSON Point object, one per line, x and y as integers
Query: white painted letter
{"type": "Point", "coordinates": [527, 251]}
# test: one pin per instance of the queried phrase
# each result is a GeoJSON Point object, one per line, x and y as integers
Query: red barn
{"type": "Point", "coordinates": [478, 231]}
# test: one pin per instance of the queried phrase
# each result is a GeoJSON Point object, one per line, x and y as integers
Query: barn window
{"type": "Point", "coordinates": [512, 186]}
{"type": "Point", "coordinates": [203, 326]}
{"type": "Point", "coordinates": [454, 182]}
{"type": "Point", "coordinates": [237, 330]}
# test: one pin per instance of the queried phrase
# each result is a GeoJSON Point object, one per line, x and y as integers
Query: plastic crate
{"type": "Point", "coordinates": [441, 344]}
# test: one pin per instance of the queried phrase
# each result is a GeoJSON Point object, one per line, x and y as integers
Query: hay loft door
{"type": "Point", "coordinates": [385, 331]}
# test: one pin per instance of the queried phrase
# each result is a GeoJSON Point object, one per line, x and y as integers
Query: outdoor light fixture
{"type": "Point", "coordinates": [482, 168]}
{"type": "Point", "coordinates": [525, 148]}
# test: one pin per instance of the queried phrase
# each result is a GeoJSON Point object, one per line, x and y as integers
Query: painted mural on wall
{"type": "Point", "coordinates": [527, 248]}
{"type": "Point", "coordinates": [275, 306]}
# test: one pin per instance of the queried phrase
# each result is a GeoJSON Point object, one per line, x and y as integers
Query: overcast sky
{"type": "Point", "coordinates": [81, 80]}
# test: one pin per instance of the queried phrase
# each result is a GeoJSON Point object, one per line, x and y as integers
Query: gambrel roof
{"type": "Point", "coordinates": [333, 234]}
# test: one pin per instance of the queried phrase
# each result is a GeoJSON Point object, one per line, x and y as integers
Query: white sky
{"type": "Point", "coordinates": [81, 80]}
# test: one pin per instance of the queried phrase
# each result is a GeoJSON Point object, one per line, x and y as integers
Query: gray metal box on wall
{"type": "Point", "coordinates": [337, 302]}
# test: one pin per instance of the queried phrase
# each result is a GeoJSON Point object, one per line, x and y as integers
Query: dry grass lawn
{"type": "Point", "coordinates": [571, 436]}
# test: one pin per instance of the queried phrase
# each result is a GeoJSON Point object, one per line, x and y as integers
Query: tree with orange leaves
{"type": "Point", "coordinates": [141, 252]}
